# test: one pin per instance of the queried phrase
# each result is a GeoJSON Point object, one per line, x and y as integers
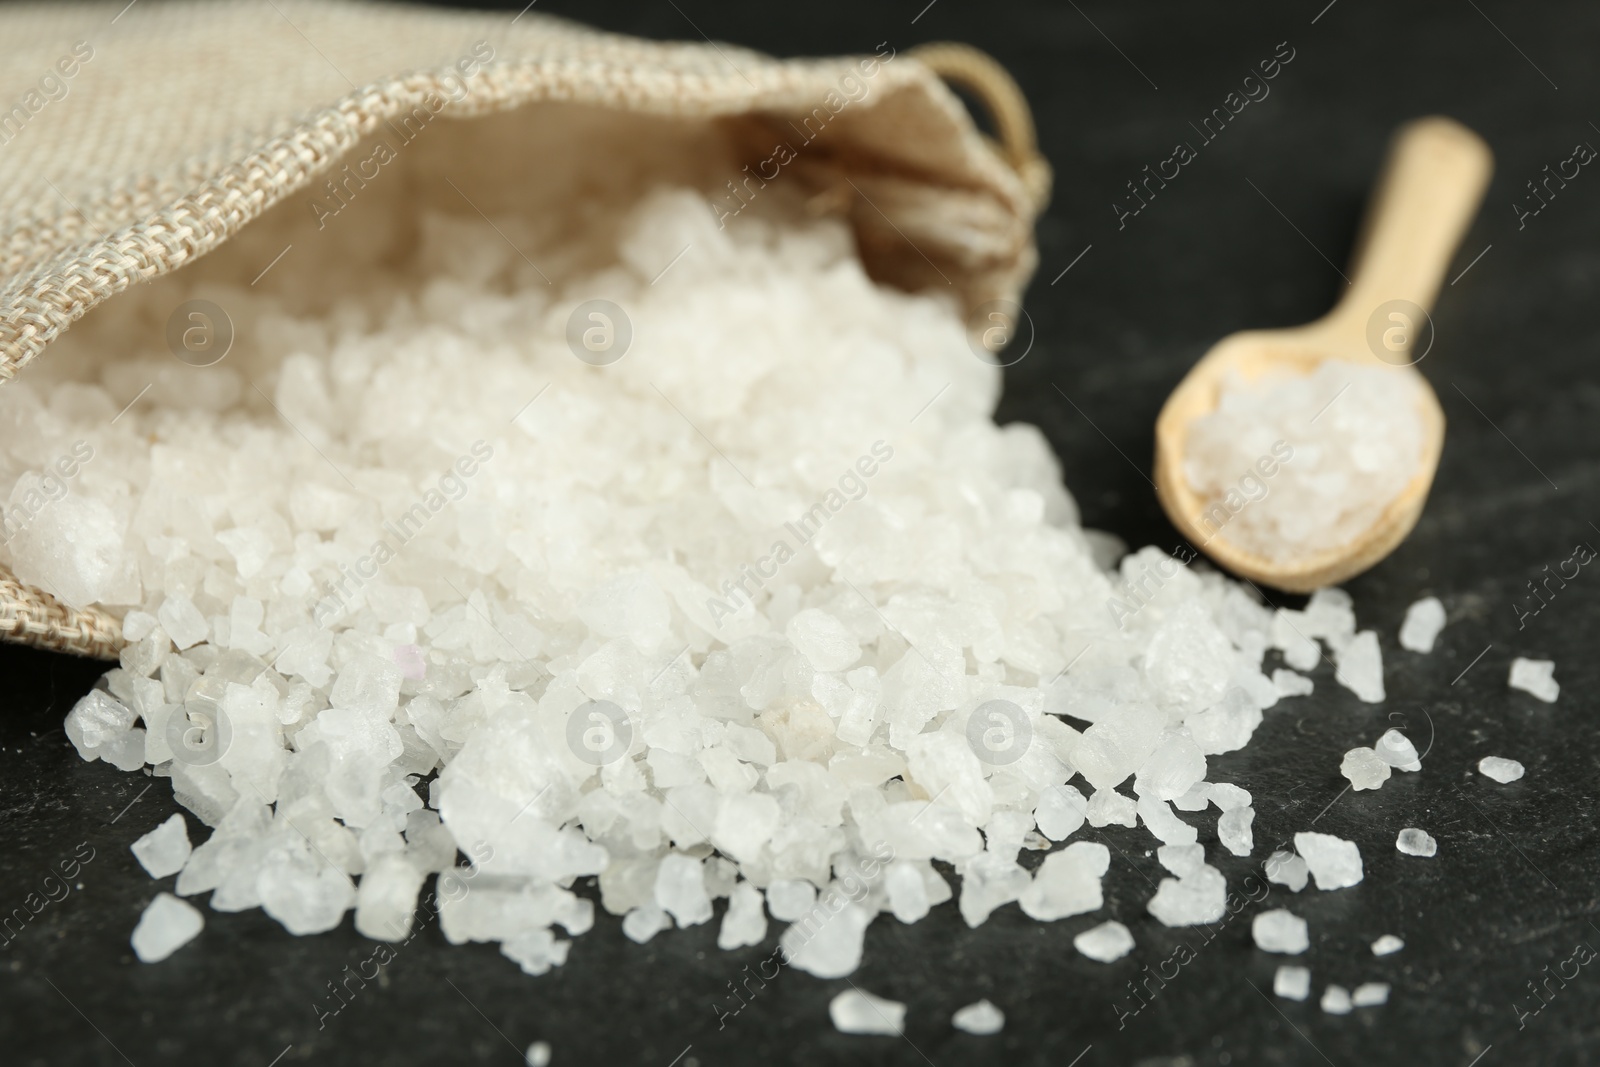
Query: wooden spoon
{"type": "Point", "coordinates": [1428, 194]}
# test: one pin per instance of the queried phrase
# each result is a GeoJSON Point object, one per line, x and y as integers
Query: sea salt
{"type": "Point", "coordinates": [1292, 983]}
{"type": "Point", "coordinates": [1360, 667]}
{"type": "Point", "coordinates": [1291, 684]}
{"type": "Point", "coordinates": [981, 1018]}
{"type": "Point", "coordinates": [1287, 869]}
{"type": "Point", "coordinates": [537, 1054]}
{"type": "Point", "coordinates": [1336, 1000]}
{"type": "Point", "coordinates": [1424, 620]}
{"type": "Point", "coordinates": [1279, 930]}
{"type": "Point", "coordinates": [166, 925]}
{"type": "Point", "coordinates": [165, 849]}
{"type": "Point", "coordinates": [715, 617]}
{"type": "Point", "coordinates": [1290, 465]}
{"type": "Point", "coordinates": [1370, 994]}
{"type": "Point", "coordinates": [1414, 842]}
{"type": "Point", "coordinates": [1364, 769]}
{"type": "Point", "coordinates": [1105, 943]}
{"type": "Point", "coordinates": [1387, 945]}
{"type": "Point", "coordinates": [1334, 863]}
{"type": "Point", "coordinates": [1396, 749]}
{"type": "Point", "coordinates": [856, 1011]}
{"type": "Point", "coordinates": [1500, 769]}
{"type": "Point", "coordinates": [1535, 676]}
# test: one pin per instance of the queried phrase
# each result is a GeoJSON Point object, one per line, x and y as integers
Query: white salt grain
{"type": "Point", "coordinates": [1105, 943]}
{"type": "Point", "coordinates": [1387, 945]}
{"type": "Point", "coordinates": [1334, 863]}
{"type": "Point", "coordinates": [166, 926]}
{"type": "Point", "coordinates": [1197, 897]}
{"type": "Point", "coordinates": [1535, 676]}
{"type": "Point", "coordinates": [1291, 982]}
{"type": "Point", "coordinates": [1067, 882]}
{"type": "Point", "coordinates": [1396, 749]}
{"type": "Point", "coordinates": [1291, 684]}
{"type": "Point", "coordinates": [1279, 930]}
{"type": "Point", "coordinates": [1414, 842]}
{"type": "Point", "coordinates": [745, 922]}
{"type": "Point", "coordinates": [643, 923]}
{"type": "Point", "coordinates": [1500, 769]}
{"type": "Point", "coordinates": [1370, 994]}
{"type": "Point", "coordinates": [1233, 830]}
{"type": "Point", "coordinates": [1424, 620]}
{"type": "Point", "coordinates": [1287, 869]}
{"type": "Point", "coordinates": [165, 849]}
{"type": "Point", "coordinates": [981, 1018]}
{"type": "Point", "coordinates": [856, 1011]}
{"type": "Point", "coordinates": [538, 1054]}
{"type": "Point", "coordinates": [1360, 667]}
{"type": "Point", "coordinates": [1364, 769]}
{"type": "Point", "coordinates": [1336, 1000]}
{"type": "Point", "coordinates": [790, 898]}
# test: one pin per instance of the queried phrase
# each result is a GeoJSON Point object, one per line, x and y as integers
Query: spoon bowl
{"type": "Point", "coordinates": [1429, 192]}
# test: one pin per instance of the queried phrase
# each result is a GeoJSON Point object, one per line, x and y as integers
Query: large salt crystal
{"type": "Point", "coordinates": [306, 899]}
{"type": "Point", "coordinates": [1290, 684]}
{"type": "Point", "coordinates": [681, 889]}
{"type": "Point", "coordinates": [1370, 994]}
{"type": "Point", "coordinates": [856, 1011]}
{"type": "Point", "coordinates": [643, 923]}
{"type": "Point", "coordinates": [1535, 676]}
{"type": "Point", "coordinates": [1117, 746]}
{"type": "Point", "coordinates": [97, 723]}
{"type": "Point", "coordinates": [1105, 943]}
{"type": "Point", "coordinates": [1172, 769]}
{"type": "Point", "coordinates": [1288, 869]}
{"type": "Point", "coordinates": [1422, 624]}
{"type": "Point", "coordinates": [790, 898]}
{"type": "Point", "coordinates": [536, 951]}
{"type": "Point", "coordinates": [166, 925]}
{"type": "Point", "coordinates": [72, 548]}
{"type": "Point", "coordinates": [1414, 842]}
{"type": "Point", "coordinates": [1334, 863]}
{"type": "Point", "coordinates": [1061, 811]}
{"type": "Point", "coordinates": [1360, 667]}
{"type": "Point", "coordinates": [827, 943]}
{"type": "Point", "coordinates": [1233, 830]}
{"type": "Point", "coordinates": [1364, 769]}
{"type": "Point", "coordinates": [746, 922]}
{"type": "Point", "coordinates": [182, 621]}
{"type": "Point", "coordinates": [1292, 983]}
{"type": "Point", "coordinates": [1108, 807]}
{"type": "Point", "coordinates": [387, 897]}
{"type": "Point", "coordinates": [165, 849]}
{"type": "Point", "coordinates": [1067, 882]}
{"type": "Point", "coordinates": [980, 1018]}
{"type": "Point", "coordinates": [1198, 897]}
{"type": "Point", "coordinates": [1279, 930]}
{"type": "Point", "coordinates": [1336, 1000]}
{"type": "Point", "coordinates": [1387, 945]}
{"type": "Point", "coordinates": [1159, 818]}
{"type": "Point", "coordinates": [1396, 749]}
{"type": "Point", "coordinates": [823, 640]}
{"type": "Point", "coordinates": [1500, 769]}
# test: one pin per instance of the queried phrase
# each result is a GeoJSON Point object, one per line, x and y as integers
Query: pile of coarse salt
{"type": "Point", "coordinates": [1291, 465]}
{"type": "Point", "coordinates": [767, 610]}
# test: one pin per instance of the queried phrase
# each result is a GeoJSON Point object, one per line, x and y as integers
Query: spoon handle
{"type": "Point", "coordinates": [1426, 197]}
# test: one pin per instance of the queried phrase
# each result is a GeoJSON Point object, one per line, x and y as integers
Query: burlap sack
{"type": "Point", "coordinates": [137, 137]}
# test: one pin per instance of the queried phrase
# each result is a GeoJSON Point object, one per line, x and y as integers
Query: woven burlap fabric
{"type": "Point", "coordinates": [180, 123]}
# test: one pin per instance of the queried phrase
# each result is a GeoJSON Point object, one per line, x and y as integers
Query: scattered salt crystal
{"type": "Point", "coordinates": [1387, 945]}
{"type": "Point", "coordinates": [165, 849]}
{"type": "Point", "coordinates": [1291, 683]}
{"type": "Point", "coordinates": [790, 898]}
{"type": "Point", "coordinates": [1500, 769]}
{"type": "Point", "coordinates": [681, 889]}
{"type": "Point", "coordinates": [907, 890]}
{"type": "Point", "coordinates": [1060, 812]}
{"type": "Point", "coordinates": [1286, 868]}
{"type": "Point", "coordinates": [1336, 1000]}
{"type": "Point", "coordinates": [1414, 842]}
{"type": "Point", "coordinates": [856, 1011]}
{"type": "Point", "coordinates": [1181, 860]}
{"type": "Point", "coordinates": [1364, 768]}
{"type": "Point", "coordinates": [1108, 807]}
{"type": "Point", "coordinates": [1067, 882]}
{"type": "Point", "coordinates": [1227, 796]}
{"type": "Point", "coordinates": [1360, 667]}
{"type": "Point", "coordinates": [826, 943]}
{"type": "Point", "coordinates": [1279, 930]}
{"type": "Point", "coordinates": [166, 926]}
{"type": "Point", "coordinates": [1333, 862]}
{"type": "Point", "coordinates": [1233, 830]}
{"type": "Point", "coordinates": [645, 922]}
{"type": "Point", "coordinates": [1370, 994]}
{"type": "Point", "coordinates": [536, 952]}
{"type": "Point", "coordinates": [1291, 982]}
{"type": "Point", "coordinates": [1396, 749]}
{"type": "Point", "coordinates": [745, 922]}
{"type": "Point", "coordinates": [538, 1054]}
{"type": "Point", "coordinates": [386, 899]}
{"type": "Point", "coordinates": [1107, 942]}
{"type": "Point", "coordinates": [1160, 820]}
{"type": "Point", "coordinates": [1197, 897]}
{"type": "Point", "coordinates": [981, 1018]}
{"type": "Point", "coordinates": [1424, 620]}
{"type": "Point", "coordinates": [1535, 676]}
{"type": "Point", "coordinates": [97, 723]}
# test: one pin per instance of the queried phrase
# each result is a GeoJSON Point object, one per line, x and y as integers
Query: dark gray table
{"type": "Point", "coordinates": [1513, 889]}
